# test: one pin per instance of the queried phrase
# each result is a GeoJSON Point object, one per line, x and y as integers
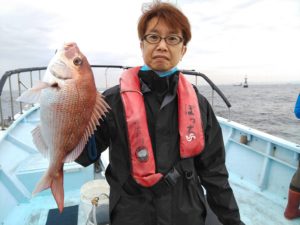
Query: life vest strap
{"type": "Point", "coordinates": [183, 169]}
{"type": "Point", "coordinates": [143, 166]}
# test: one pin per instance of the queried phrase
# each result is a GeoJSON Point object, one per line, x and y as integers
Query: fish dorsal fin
{"type": "Point", "coordinates": [33, 94]}
{"type": "Point", "coordinates": [100, 108]}
{"type": "Point", "coordinates": [39, 142]}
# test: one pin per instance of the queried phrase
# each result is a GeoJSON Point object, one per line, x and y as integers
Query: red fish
{"type": "Point", "coordinates": [70, 108]}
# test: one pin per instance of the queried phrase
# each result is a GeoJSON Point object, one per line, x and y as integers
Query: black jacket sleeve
{"type": "Point", "coordinates": [211, 169]}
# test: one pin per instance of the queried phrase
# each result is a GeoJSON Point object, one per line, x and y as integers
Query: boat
{"type": "Point", "coordinates": [260, 165]}
{"type": "Point", "coordinates": [245, 84]}
{"type": "Point", "coordinates": [238, 85]}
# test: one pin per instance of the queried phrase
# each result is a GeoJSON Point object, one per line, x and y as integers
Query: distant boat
{"type": "Point", "coordinates": [239, 85]}
{"type": "Point", "coordinates": [245, 85]}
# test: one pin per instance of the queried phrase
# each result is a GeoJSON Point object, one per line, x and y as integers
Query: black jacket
{"type": "Point", "coordinates": [183, 203]}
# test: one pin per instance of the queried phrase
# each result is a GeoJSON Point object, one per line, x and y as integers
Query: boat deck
{"type": "Point", "coordinates": [260, 172]}
{"type": "Point", "coordinates": [255, 209]}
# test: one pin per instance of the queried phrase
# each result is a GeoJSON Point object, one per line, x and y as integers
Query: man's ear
{"type": "Point", "coordinates": [184, 48]}
{"type": "Point", "coordinates": [142, 45]}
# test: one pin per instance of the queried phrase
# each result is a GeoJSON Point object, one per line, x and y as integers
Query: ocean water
{"type": "Point", "coordinates": [268, 108]}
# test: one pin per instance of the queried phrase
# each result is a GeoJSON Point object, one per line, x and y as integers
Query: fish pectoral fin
{"type": "Point", "coordinates": [33, 94]}
{"type": "Point", "coordinates": [39, 141]}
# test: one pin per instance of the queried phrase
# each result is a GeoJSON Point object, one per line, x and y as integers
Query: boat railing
{"type": "Point", "coordinates": [26, 78]}
{"type": "Point", "coordinates": [8, 84]}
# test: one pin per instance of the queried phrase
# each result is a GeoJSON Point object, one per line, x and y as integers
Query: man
{"type": "Point", "coordinates": [297, 107]}
{"type": "Point", "coordinates": [163, 137]}
{"type": "Point", "coordinates": [292, 210]}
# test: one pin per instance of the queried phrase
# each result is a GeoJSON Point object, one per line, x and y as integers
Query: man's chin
{"type": "Point", "coordinates": [161, 68]}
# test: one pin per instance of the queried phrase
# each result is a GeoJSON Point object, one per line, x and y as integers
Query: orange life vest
{"type": "Point", "coordinates": [141, 152]}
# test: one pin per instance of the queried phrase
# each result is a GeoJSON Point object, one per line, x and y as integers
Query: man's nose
{"type": "Point", "coordinates": [162, 44]}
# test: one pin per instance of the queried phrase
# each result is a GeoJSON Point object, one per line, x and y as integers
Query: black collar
{"type": "Point", "coordinates": [164, 87]}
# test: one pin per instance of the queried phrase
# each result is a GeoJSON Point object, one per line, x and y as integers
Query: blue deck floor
{"type": "Point", "coordinates": [255, 209]}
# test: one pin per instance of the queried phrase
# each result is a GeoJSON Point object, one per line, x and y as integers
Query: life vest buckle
{"type": "Point", "coordinates": [171, 177]}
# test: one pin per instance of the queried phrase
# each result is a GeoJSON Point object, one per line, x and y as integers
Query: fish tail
{"type": "Point", "coordinates": [56, 185]}
{"type": "Point", "coordinates": [57, 188]}
{"type": "Point", "coordinates": [43, 184]}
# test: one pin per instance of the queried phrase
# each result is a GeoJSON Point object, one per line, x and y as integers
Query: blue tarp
{"type": "Point", "coordinates": [297, 107]}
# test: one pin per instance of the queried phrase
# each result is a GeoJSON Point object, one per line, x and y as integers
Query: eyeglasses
{"type": "Point", "coordinates": [170, 40]}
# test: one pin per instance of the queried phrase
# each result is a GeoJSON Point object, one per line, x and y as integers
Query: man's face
{"type": "Point", "coordinates": [161, 56]}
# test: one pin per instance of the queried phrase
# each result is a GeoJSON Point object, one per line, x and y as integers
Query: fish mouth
{"type": "Point", "coordinates": [58, 70]}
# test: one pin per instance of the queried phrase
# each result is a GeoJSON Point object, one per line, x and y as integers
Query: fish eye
{"type": "Point", "coordinates": [77, 61]}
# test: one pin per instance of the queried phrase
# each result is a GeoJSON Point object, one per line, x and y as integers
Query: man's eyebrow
{"type": "Point", "coordinates": [154, 30]}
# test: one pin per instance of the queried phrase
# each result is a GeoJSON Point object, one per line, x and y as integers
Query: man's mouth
{"type": "Point", "coordinates": [161, 57]}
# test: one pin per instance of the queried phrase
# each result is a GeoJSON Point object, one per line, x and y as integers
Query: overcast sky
{"type": "Point", "coordinates": [231, 39]}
